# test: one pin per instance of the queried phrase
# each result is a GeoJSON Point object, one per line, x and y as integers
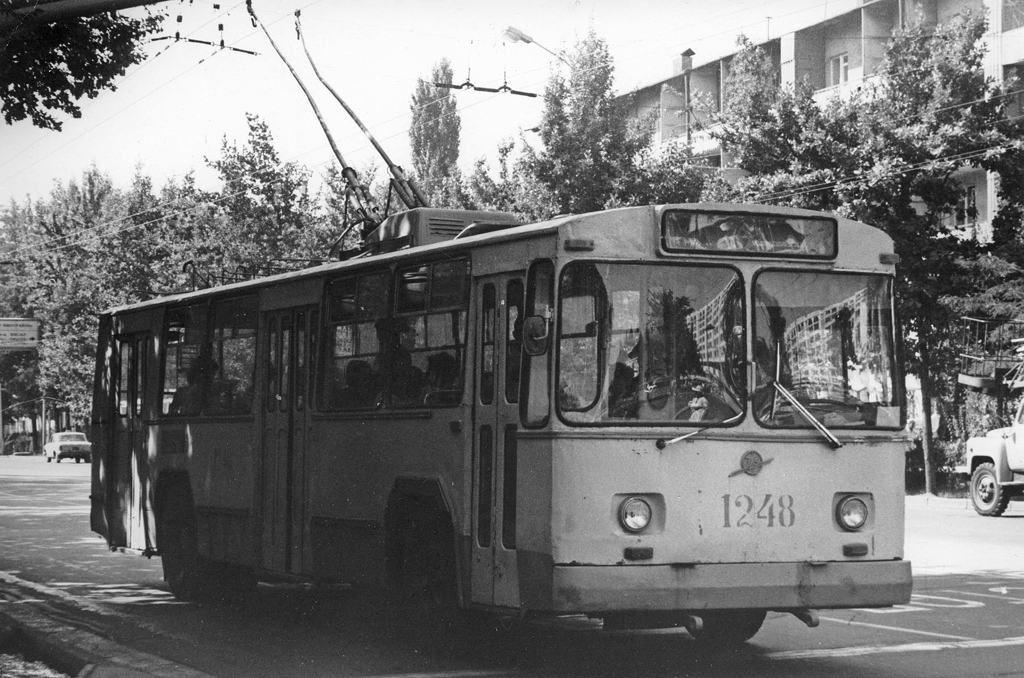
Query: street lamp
{"type": "Point", "coordinates": [516, 35]}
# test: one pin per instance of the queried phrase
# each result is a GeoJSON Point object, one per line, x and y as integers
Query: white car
{"type": "Point", "coordinates": [69, 445]}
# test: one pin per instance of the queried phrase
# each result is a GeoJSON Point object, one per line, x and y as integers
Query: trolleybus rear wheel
{"type": "Point", "coordinates": [988, 497]}
{"type": "Point", "coordinates": [182, 570]}
{"type": "Point", "coordinates": [729, 626]}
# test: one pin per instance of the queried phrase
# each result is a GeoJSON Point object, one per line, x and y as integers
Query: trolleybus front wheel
{"type": "Point", "coordinates": [988, 498]}
{"type": "Point", "coordinates": [728, 626]}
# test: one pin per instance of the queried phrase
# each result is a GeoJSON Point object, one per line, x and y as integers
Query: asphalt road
{"type": "Point", "coordinates": [966, 617]}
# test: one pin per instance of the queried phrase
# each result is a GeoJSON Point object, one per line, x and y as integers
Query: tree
{"type": "Point", "coordinates": [434, 136]}
{"type": "Point", "coordinates": [46, 68]}
{"type": "Point", "coordinates": [889, 157]}
{"type": "Point", "coordinates": [589, 142]}
{"type": "Point", "coordinates": [268, 209]}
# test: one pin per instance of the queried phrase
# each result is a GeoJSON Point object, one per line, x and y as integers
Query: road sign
{"type": "Point", "coordinates": [19, 334]}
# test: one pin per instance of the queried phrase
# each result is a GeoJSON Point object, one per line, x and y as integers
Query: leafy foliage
{"type": "Point", "coordinates": [434, 136]}
{"type": "Point", "coordinates": [46, 68]}
{"type": "Point", "coordinates": [91, 246]}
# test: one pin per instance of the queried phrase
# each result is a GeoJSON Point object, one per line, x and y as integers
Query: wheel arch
{"type": "Point", "coordinates": [173, 499]}
{"type": "Point", "coordinates": [424, 497]}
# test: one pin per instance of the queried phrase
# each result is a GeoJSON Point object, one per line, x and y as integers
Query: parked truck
{"type": "Point", "coordinates": [992, 363]}
{"type": "Point", "coordinates": [996, 464]}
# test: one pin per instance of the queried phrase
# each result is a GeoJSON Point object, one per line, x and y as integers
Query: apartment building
{"type": "Point", "coordinates": [836, 53]}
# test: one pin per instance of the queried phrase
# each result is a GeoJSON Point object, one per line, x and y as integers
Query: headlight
{"type": "Point", "coordinates": [635, 514]}
{"type": "Point", "coordinates": [852, 513]}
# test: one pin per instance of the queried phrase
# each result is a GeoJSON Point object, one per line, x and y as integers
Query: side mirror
{"type": "Point", "coordinates": [535, 335]}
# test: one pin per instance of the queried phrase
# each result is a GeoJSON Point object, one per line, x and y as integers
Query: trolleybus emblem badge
{"type": "Point", "coordinates": [751, 463]}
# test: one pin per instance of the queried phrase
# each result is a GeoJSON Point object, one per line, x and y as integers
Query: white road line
{"type": "Point", "coordinates": [895, 628]}
{"type": "Point", "coordinates": [895, 649]}
{"type": "Point", "coordinates": [1008, 599]}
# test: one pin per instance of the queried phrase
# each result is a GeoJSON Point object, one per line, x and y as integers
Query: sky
{"type": "Point", "coordinates": [172, 112]}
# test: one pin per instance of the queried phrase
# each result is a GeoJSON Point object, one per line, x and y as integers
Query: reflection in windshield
{"type": "Point", "coordinates": [650, 343]}
{"type": "Point", "coordinates": [828, 339]}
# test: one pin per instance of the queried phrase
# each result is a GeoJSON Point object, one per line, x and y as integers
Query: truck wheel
{"type": "Point", "coordinates": [988, 497]}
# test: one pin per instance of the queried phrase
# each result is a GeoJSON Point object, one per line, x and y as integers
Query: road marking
{"type": "Point", "coordinates": [895, 628]}
{"type": "Point", "coordinates": [895, 649]}
{"type": "Point", "coordinates": [1011, 601]}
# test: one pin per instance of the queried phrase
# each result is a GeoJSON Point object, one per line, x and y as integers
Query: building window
{"type": "Point", "coordinates": [839, 70]}
{"type": "Point", "coordinates": [966, 211]}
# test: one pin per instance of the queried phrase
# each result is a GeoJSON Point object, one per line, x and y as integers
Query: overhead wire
{"type": "Point", "coordinates": [142, 66]}
{"type": "Point", "coordinates": [459, 110]}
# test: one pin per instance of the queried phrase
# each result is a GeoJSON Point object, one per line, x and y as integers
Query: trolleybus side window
{"type": "Point", "coordinates": [234, 353]}
{"type": "Point", "coordinates": [487, 346]}
{"type": "Point", "coordinates": [353, 362]}
{"type": "Point", "coordinates": [124, 379]}
{"type": "Point", "coordinates": [427, 361]}
{"type": "Point", "coordinates": [534, 405]}
{"type": "Point", "coordinates": [514, 338]}
{"type": "Point", "coordinates": [188, 365]}
{"type": "Point", "coordinates": [273, 349]}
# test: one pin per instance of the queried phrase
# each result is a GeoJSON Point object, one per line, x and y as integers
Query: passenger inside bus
{"type": "Point", "coordinates": [442, 378]}
{"type": "Point", "coordinates": [362, 388]}
{"type": "Point", "coordinates": [188, 399]}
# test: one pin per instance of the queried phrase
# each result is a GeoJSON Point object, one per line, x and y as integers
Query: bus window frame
{"type": "Point", "coordinates": [898, 386]}
{"type": "Point", "coordinates": [205, 305]}
{"type": "Point", "coordinates": [556, 334]}
{"type": "Point", "coordinates": [543, 360]}
{"type": "Point", "coordinates": [328, 323]}
{"type": "Point", "coordinates": [426, 311]}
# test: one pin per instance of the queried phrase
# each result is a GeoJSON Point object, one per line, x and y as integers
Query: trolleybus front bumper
{"type": "Point", "coordinates": [773, 586]}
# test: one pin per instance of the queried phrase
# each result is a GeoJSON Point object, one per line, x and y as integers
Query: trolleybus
{"type": "Point", "coordinates": [681, 415]}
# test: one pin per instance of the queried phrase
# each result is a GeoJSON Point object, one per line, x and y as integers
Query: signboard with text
{"type": "Point", "coordinates": [19, 334]}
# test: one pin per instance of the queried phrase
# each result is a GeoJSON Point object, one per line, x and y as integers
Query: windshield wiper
{"type": "Point", "coordinates": [661, 443]}
{"type": "Point", "coordinates": [833, 442]}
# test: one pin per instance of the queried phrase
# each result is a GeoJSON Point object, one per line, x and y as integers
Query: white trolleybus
{"type": "Point", "coordinates": [681, 415]}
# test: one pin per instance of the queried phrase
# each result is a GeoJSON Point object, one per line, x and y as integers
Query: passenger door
{"type": "Point", "coordinates": [494, 574]}
{"type": "Point", "coordinates": [288, 340]}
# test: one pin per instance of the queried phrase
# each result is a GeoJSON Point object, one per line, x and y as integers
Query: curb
{"type": "Point", "coordinates": [943, 502]}
{"type": "Point", "coordinates": [26, 629]}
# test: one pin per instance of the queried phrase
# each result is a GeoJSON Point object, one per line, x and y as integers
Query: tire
{"type": "Point", "coordinates": [728, 627]}
{"type": "Point", "coordinates": [988, 498]}
{"type": "Point", "coordinates": [422, 566]}
{"type": "Point", "coordinates": [179, 554]}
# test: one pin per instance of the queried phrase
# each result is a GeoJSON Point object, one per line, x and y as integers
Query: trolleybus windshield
{"type": "Point", "coordinates": [827, 339]}
{"type": "Point", "coordinates": [650, 343]}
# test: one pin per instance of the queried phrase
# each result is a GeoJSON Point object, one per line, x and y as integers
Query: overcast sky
{"type": "Point", "coordinates": [171, 112]}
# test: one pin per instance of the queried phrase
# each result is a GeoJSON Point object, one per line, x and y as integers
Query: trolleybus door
{"type": "Point", "coordinates": [495, 579]}
{"type": "Point", "coordinates": [130, 441]}
{"type": "Point", "coordinates": [288, 336]}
